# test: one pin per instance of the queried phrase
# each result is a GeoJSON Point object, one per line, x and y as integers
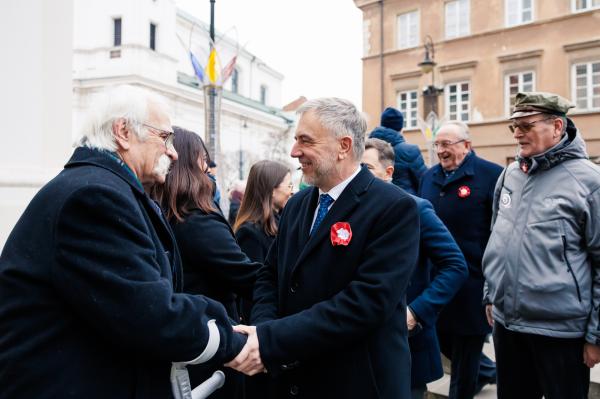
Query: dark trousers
{"type": "Point", "coordinates": [530, 365]}
{"type": "Point", "coordinates": [464, 351]}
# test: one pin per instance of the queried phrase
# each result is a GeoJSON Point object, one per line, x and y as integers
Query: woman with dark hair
{"type": "Point", "coordinates": [268, 188]}
{"type": "Point", "coordinates": [267, 191]}
{"type": "Point", "coordinates": [213, 263]}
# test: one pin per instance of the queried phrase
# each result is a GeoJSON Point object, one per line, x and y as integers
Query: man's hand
{"type": "Point", "coordinates": [248, 361]}
{"type": "Point", "coordinates": [488, 314]}
{"type": "Point", "coordinates": [411, 322]}
{"type": "Point", "coordinates": [591, 354]}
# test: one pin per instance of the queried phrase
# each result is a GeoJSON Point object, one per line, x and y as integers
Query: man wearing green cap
{"type": "Point", "coordinates": [542, 262]}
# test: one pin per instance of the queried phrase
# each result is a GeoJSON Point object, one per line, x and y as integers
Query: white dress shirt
{"type": "Point", "coordinates": [334, 193]}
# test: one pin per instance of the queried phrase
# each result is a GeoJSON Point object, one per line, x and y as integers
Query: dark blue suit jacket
{"type": "Point", "coordinates": [87, 303]}
{"type": "Point", "coordinates": [439, 253]}
{"type": "Point", "coordinates": [332, 319]}
{"type": "Point", "coordinates": [468, 218]}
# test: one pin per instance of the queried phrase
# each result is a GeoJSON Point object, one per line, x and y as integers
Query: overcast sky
{"type": "Point", "coordinates": [315, 44]}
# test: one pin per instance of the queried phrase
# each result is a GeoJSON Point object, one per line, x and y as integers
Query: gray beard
{"type": "Point", "coordinates": [162, 166]}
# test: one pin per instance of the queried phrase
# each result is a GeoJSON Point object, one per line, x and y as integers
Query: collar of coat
{"type": "Point", "coordinates": [466, 168]}
{"type": "Point", "coordinates": [105, 160]}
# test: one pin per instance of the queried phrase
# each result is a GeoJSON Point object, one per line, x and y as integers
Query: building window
{"type": "Point", "coordinates": [514, 83]}
{"type": "Point", "coordinates": [518, 12]}
{"type": "Point", "coordinates": [581, 5]}
{"type": "Point", "coordinates": [458, 101]}
{"type": "Point", "coordinates": [263, 94]}
{"type": "Point", "coordinates": [408, 29]}
{"type": "Point", "coordinates": [153, 36]}
{"type": "Point", "coordinates": [235, 76]}
{"type": "Point", "coordinates": [586, 85]}
{"type": "Point", "coordinates": [457, 18]}
{"type": "Point", "coordinates": [116, 32]}
{"type": "Point", "coordinates": [407, 103]}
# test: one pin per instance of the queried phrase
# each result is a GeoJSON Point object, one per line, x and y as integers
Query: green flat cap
{"type": "Point", "coordinates": [537, 102]}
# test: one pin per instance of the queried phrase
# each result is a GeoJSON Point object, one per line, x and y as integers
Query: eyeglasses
{"type": "Point", "coordinates": [525, 126]}
{"type": "Point", "coordinates": [445, 144]}
{"type": "Point", "coordinates": [165, 135]}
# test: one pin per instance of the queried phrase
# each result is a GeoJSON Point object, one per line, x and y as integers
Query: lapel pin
{"type": "Point", "coordinates": [464, 191]}
{"type": "Point", "coordinates": [341, 234]}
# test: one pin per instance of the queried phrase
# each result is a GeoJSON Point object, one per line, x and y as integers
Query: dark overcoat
{"type": "Point", "coordinates": [254, 241]}
{"type": "Point", "coordinates": [467, 214]}
{"type": "Point", "coordinates": [213, 263]}
{"type": "Point", "coordinates": [215, 266]}
{"type": "Point", "coordinates": [408, 160]}
{"type": "Point", "coordinates": [426, 297]}
{"type": "Point", "coordinates": [88, 307]}
{"type": "Point", "coordinates": [332, 319]}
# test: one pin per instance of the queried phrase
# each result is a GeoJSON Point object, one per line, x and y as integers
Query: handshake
{"type": "Point", "coordinates": [248, 361]}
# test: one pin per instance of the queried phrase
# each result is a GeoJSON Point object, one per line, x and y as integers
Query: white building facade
{"type": "Point", "coordinates": [79, 47]}
{"type": "Point", "coordinates": [146, 42]}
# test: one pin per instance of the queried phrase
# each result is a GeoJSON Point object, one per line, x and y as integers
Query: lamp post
{"type": "Point", "coordinates": [430, 95]}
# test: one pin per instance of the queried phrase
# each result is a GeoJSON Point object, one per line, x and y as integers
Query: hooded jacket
{"type": "Point", "coordinates": [542, 261]}
{"type": "Point", "coordinates": [408, 164]}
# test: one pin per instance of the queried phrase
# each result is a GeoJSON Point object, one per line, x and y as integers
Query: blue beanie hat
{"type": "Point", "coordinates": [392, 118]}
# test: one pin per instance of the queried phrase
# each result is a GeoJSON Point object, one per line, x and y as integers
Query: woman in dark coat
{"type": "Point", "coordinates": [267, 191]}
{"type": "Point", "coordinates": [213, 263]}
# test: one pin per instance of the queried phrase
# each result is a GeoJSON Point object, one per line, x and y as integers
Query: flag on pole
{"type": "Point", "coordinates": [228, 70]}
{"type": "Point", "coordinates": [198, 70]}
{"type": "Point", "coordinates": [212, 67]}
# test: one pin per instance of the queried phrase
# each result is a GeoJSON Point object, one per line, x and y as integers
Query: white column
{"type": "Point", "coordinates": [36, 38]}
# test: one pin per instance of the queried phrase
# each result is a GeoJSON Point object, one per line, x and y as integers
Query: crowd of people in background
{"type": "Point", "coordinates": [351, 285]}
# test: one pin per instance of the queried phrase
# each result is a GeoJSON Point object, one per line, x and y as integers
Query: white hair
{"type": "Point", "coordinates": [341, 118]}
{"type": "Point", "coordinates": [463, 129]}
{"type": "Point", "coordinates": [120, 102]}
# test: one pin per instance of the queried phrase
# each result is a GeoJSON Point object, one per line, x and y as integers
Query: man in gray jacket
{"type": "Point", "coordinates": [542, 261]}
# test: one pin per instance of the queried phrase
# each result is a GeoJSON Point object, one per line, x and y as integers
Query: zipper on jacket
{"type": "Point", "coordinates": [564, 240]}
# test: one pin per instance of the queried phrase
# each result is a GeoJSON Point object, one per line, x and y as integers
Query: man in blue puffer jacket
{"type": "Point", "coordinates": [408, 165]}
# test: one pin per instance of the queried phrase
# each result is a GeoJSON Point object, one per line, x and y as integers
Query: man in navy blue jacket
{"type": "Point", "coordinates": [330, 300]}
{"type": "Point", "coordinates": [439, 256]}
{"type": "Point", "coordinates": [89, 276]}
{"type": "Point", "coordinates": [461, 189]}
{"type": "Point", "coordinates": [408, 164]}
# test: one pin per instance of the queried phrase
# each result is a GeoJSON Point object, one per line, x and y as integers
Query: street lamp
{"type": "Point", "coordinates": [431, 92]}
{"type": "Point", "coordinates": [430, 95]}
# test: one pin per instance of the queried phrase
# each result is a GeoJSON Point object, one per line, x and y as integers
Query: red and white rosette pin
{"type": "Point", "coordinates": [464, 191]}
{"type": "Point", "coordinates": [341, 234]}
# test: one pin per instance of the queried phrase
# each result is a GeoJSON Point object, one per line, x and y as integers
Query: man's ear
{"type": "Point", "coordinates": [389, 172]}
{"type": "Point", "coordinates": [345, 147]}
{"type": "Point", "coordinates": [122, 133]}
{"type": "Point", "coordinates": [558, 127]}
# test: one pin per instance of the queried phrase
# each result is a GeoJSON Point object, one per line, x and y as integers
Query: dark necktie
{"type": "Point", "coordinates": [324, 201]}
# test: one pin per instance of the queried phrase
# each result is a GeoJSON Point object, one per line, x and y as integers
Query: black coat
{"type": "Point", "coordinates": [468, 219]}
{"type": "Point", "coordinates": [255, 243]}
{"type": "Point", "coordinates": [213, 263]}
{"type": "Point", "coordinates": [332, 319]}
{"type": "Point", "coordinates": [215, 266]}
{"type": "Point", "coordinates": [87, 304]}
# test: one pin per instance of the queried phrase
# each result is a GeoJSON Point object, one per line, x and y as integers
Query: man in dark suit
{"type": "Point", "coordinates": [440, 257]}
{"type": "Point", "coordinates": [461, 189]}
{"type": "Point", "coordinates": [89, 275]}
{"type": "Point", "coordinates": [330, 301]}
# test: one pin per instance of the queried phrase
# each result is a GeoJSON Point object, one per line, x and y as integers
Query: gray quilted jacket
{"type": "Point", "coordinates": [542, 261]}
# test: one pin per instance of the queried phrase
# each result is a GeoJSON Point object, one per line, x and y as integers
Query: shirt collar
{"type": "Point", "coordinates": [336, 191]}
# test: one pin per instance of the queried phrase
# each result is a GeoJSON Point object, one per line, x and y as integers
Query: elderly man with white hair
{"type": "Point", "coordinates": [89, 277]}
